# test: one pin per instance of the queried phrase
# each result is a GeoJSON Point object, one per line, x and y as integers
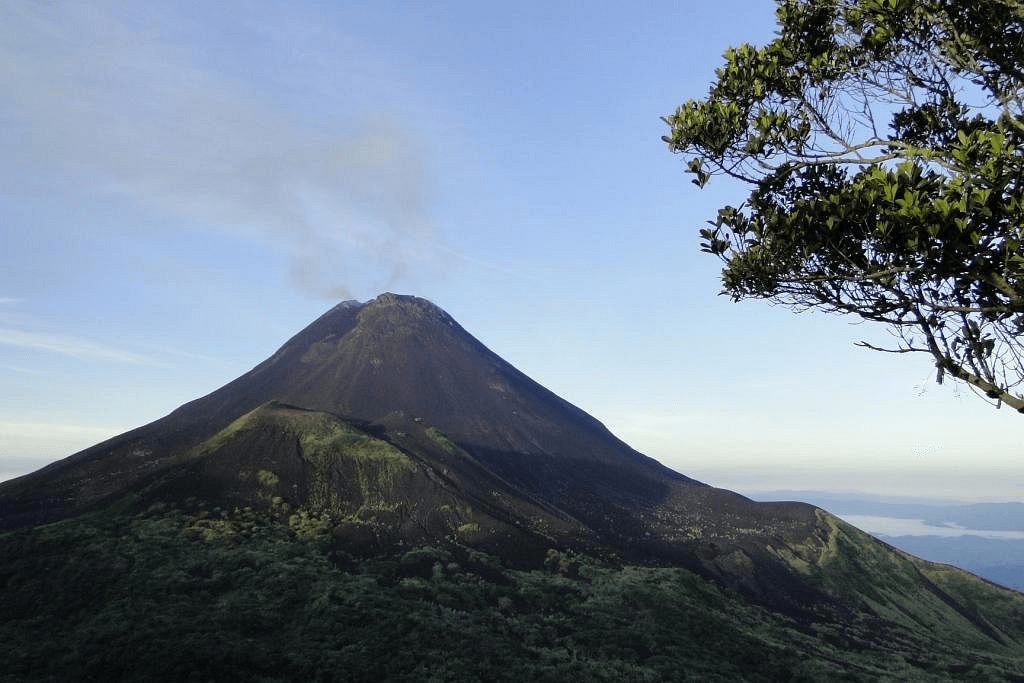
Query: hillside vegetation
{"type": "Point", "coordinates": [246, 596]}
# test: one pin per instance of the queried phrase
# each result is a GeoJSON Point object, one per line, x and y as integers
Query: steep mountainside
{"type": "Point", "coordinates": [393, 363]}
{"type": "Point", "coordinates": [404, 372]}
{"type": "Point", "coordinates": [385, 426]}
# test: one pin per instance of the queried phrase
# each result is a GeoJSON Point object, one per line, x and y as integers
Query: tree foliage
{"type": "Point", "coordinates": [881, 142]}
{"type": "Point", "coordinates": [244, 596]}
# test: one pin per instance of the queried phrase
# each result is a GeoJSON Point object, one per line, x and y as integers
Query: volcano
{"type": "Point", "coordinates": [385, 425]}
{"type": "Point", "coordinates": [472, 443]}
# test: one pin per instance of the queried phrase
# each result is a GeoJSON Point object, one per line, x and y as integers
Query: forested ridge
{"type": "Point", "coordinates": [242, 596]}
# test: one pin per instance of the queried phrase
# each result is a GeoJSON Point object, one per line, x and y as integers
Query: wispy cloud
{"type": "Point", "coordinates": [22, 370]}
{"type": "Point", "coordinates": [49, 430]}
{"type": "Point", "coordinates": [652, 433]}
{"type": "Point", "coordinates": [656, 422]}
{"type": "Point", "coordinates": [71, 346]}
{"type": "Point", "coordinates": [27, 446]}
{"type": "Point", "coordinates": [95, 90]}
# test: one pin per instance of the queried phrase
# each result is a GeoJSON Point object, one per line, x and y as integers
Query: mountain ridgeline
{"type": "Point", "coordinates": [384, 427]}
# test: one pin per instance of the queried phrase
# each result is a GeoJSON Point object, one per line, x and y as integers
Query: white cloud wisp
{"type": "Point", "coordinates": [109, 99]}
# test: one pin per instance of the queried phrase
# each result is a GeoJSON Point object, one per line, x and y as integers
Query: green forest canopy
{"type": "Point", "coordinates": [881, 142]}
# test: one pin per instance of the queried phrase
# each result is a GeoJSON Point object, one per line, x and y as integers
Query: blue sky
{"type": "Point", "coordinates": [186, 185]}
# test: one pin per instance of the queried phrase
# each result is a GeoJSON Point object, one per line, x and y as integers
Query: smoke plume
{"type": "Point", "coordinates": [104, 98]}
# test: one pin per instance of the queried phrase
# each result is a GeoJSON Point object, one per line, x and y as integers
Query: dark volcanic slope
{"type": "Point", "coordinates": [387, 423]}
{"type": "Point", "coordinates": [397, 359]}
{"type": "Point", "coordinates": [393, 361]}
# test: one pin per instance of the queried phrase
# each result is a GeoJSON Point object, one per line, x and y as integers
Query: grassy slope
{"type": "Point", "coordinates": [244, 597]}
